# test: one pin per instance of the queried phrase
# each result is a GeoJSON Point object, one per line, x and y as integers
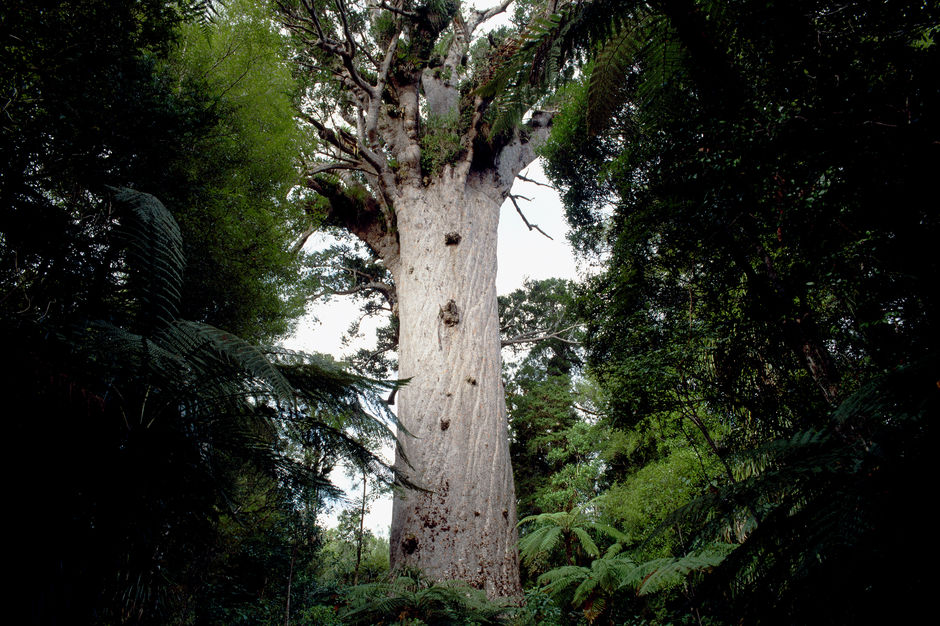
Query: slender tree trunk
{"type": "Point", "coordinates": [362, 525]}
{"type": "Point", "coordinates": [454, 405]}
{"type": "Point", "coordinates": [290, 583]}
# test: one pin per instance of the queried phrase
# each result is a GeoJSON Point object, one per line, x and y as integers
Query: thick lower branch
{"type": "Point", "coordinates": [356, 210]}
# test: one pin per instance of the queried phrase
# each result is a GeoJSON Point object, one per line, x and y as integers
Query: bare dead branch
{"type": "Point", "coordinates": [533, 181]}
{"type": "Point", "coordinates": [522, 215]}
{"type": "Point", "coordinates": [542, 335]}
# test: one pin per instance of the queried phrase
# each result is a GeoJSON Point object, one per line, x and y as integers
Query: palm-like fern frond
{"type": "Point", "coordinates": [411, 596]}
{"type": "Point", "coordinates": [538, 543]}
{"type": "Point", "coordinates": [178, 410]}
{"type": "Point", "coordinates": [537, 59]}
{"type": "Point", "coordinates": [594, 585]}
{"type": "Point", "coordinates": [203, 12]}
{"type": "Point", "coordinates": [154, 257]}
{"type": "Point", "coordinates": [567, 529]}
{"type": "Point", "coordinates": [659, 574]}
{"type": "Point", "coordinates": [639, 51]}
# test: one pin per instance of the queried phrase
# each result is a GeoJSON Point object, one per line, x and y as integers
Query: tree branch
{"type": "Point", "coordinates": [302, 240]}
{"type": "Point", "coordinates": [512, 198]}
{"type": "Point", "coordinates": [350, 42]}
{"type": "Point", "coordinates": [542, 335]}
{"type": "Point", "coordinates": [372, 121]}
{"type": "Point", "coordinates": [385, 289]}
{"type": "Point", "coordinates": [519, 150]}
{"type": "Point", "coordinates": [329, 167]}
{"type": "Point", "coordinates": [589, 411]}
{"type": "Point", "coordinates": [482, 16]}
{"type": "Point", "coordinates": [345, 52]}
{"type": "Point", "coordinates": [533, 181]}
{"type": "Point", "coordinates": [409, 14]}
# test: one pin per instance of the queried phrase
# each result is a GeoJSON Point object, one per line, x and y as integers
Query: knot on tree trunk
{"type": "Point", "coordinates": [452, 238]}
{"type": "Point", "coordinates": [449, 314]}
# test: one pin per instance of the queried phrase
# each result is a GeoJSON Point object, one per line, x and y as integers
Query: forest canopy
{"type": "Point", "coordinates": [724, 422]}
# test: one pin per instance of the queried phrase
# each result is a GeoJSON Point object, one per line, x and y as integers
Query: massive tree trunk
{"type": "Point", "coordinates": [449, 348]}
{"type": "Point", "coordinates": [432, 222]}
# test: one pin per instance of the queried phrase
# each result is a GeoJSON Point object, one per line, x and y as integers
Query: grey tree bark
{"type": "Point", "coordinates": [435, 230]}
{"type": "Point", "coordinates": [449, 348]}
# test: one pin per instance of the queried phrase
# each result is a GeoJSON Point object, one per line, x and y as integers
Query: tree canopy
{"type": "Point", "coordinates": [723, 421]}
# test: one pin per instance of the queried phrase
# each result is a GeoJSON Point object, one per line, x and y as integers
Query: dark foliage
{"type": "Point", "coordinates": [761, 194]}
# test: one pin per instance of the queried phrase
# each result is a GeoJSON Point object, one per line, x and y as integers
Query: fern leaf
{"type": "Point", "coordinates": [154, 256]}
{"type": "Point", "coordinates": [606, 85]}
{"type": "Point", "coordinates": [665, 573]}
{"type": "Point", "coordinates": [590, 548]}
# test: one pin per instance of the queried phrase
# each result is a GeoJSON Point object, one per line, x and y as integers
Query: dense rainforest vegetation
{"type": "Point", "coordinates": [723, 422]}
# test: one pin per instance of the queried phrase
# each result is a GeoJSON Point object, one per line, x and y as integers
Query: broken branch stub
{"type": "Point", "coordinates": [449, 314]}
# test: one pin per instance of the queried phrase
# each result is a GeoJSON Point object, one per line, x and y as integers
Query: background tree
{"type": "Point", "coordinates": [736, 178]}
{"type": "Point", "coordinates": [170, 472]}
{"type": "Point", "coordinates": [133, 96]}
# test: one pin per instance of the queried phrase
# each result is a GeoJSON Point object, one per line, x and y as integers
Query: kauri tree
{"type": "Point", "coordinates": [411, 159]}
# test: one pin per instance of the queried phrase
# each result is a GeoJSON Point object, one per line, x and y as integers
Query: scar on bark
{"type": "Point", "coordinates": [449, 314]}
{"type": "Point", "coordinates": [445, 423]}
{"type": "Point", "coordinates": [452, 238]}
{"type": "Point", "coordinates": [472, 380]}
{"type": "Point", "coordinates": [410, 544]}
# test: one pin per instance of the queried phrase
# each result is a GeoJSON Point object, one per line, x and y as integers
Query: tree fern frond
{"type": "Point", "coordinates": [235, 352]}
{"type": "Point", "coordinates": [584, 590]}
{"type": "Point", "coordinates": [154, 256]}
{"type": "Point", "coordinates": [587, 544]}
{"type": "Point", "coordinates": [539, 543]}
{"type": "Point", "coordinates": [663, 573]}
{"type": "Point", "coordinates": [203, 12]}
{"type": "Point", "coordinates": [414, 597]}
{"type": "Point", "coordinates": [613, 63]}
{"type": "Point", "coordinates": [560, 578]}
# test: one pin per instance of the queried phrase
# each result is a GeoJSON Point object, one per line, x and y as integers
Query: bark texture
{"type": "Point", "coordinates": [433, 225]}
{"type": "Point", "coordinates": [449, 348]}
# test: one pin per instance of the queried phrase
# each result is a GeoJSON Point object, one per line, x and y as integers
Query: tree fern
{"type": "Point", "coordinates": [174, 411]}
{"type": "Point", "coordinates": [562, 529]}
{"type": "Point", "coordinates": [411, 596]}
{"type": "Point", "coordinates": [819, 502]}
